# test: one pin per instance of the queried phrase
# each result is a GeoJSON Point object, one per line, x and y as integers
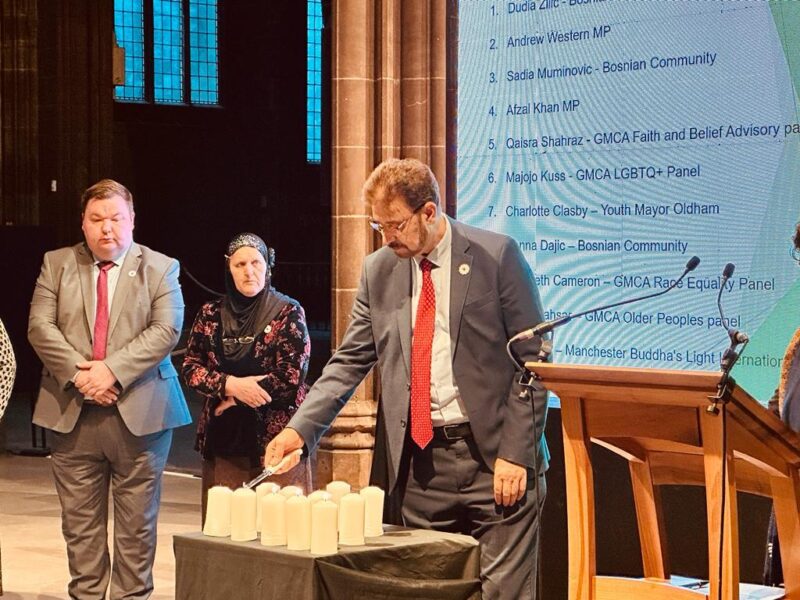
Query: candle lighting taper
{"type": "Point", "coordinates": [271, 470]}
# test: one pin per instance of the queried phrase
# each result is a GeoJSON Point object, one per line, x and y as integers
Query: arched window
{"type": "Point", "coordinates": [169, 58]}
{"type": "Point", "coordinates": [314, 82]}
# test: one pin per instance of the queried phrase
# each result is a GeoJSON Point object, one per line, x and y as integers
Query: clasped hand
{"type": "Point", "coordinates": [96, 381]}
{"type": "Point", "coordinates": [247, 390]}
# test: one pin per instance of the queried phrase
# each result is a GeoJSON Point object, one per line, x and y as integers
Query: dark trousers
{"type": "Point", "coordinates": [449, 488]}
{"type": "Point", "coordinates": [100, 451]}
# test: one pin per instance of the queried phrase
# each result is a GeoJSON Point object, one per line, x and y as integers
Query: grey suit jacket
{"type": "Point", "coordinates": [492, 297]}
{"type": "Point", "coordinates": [144, 326]}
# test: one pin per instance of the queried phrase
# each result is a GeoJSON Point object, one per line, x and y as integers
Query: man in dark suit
{"type": "Point", "coordinates": [462, 449]}
{"type": "Point", "coordinates": [104, 317]}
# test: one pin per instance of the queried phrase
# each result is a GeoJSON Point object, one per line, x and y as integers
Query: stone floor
{"type": "Point", "coordinates": [34, 562]}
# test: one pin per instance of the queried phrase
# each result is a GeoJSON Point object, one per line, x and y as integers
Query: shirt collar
{"type": "Point", "coordinates": [438, 255]}
{"type": "Point", "coordinates": [117, 263]}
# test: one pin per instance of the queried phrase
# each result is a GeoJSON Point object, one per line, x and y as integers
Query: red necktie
{"type": "Point", "coordinates": [421, 429]}
{"type": "Point", "coordinates": [101, 314]}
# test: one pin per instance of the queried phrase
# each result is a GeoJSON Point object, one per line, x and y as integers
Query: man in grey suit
{"type": "Point", "coordinates": [462, 449]}
{"type": "Point", "coordinates": [104, 317]}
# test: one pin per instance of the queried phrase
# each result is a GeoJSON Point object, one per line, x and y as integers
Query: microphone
{"type": "Point", "coordinates": [548, 326]}
{"type": "Point", "coordinates": [727, 273]}
{"type": "Point", "coordinates": [737, 337]}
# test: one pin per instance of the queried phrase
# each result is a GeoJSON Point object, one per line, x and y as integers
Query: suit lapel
{"type": "Point", "coordinates": [460, 273]}
{"type": "Point", "coordinates": [85, 265]}
{"type": "Point", "coordinates": [401, 281]}
{"type": "Point", "coordinates": [124, 284]}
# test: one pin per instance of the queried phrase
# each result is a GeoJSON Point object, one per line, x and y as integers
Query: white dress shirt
{"type": "Point", "coordinates": [113, 277]}
{"type": "Point", "coordinates": [446, 405]}
{"type": "Point", "coordinates": [111, 281]}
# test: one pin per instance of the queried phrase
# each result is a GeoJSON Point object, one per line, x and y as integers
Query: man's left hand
{"type": "Point", "coordinates": [94, 378]}
{"type": "Point", "coordinates": [509, 482]}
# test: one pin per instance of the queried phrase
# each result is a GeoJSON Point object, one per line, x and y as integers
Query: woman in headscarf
{"type": "Point", "coordinates": [247, 354]}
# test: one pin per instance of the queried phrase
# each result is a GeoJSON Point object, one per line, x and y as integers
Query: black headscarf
{"type": "Point", "coordinates": [244, 318]}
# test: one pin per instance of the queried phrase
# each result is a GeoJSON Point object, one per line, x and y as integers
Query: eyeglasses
{"type": "Point", "coordinates": [383, 228]}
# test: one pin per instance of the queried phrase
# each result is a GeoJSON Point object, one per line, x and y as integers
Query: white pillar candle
{"type": "Point", "coordinates": [291, 490]}
{"type": "Point", "coordinates": [351, 520]}
{"type": "Point", "coordinates": [373, 511]}
{"type": "Point", "coordinates": [315, 497]}
{"type": "Point", "coordinates": [298, 523]}
{"type": "Point", "coordinates": [243, 515]}
{"type": "Point", "coordinates": [337, 489]}
{"type": "Point", "coordinates": [273, 520]}
{"type": "Point", "coordinates": [218, 512]}
{"type": "Point", "coordinates": [262, 490]}
{"type": "Point", "coordinates": [324, 516]}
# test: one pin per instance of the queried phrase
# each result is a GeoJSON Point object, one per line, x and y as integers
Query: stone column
{"type": "Point", "coordinates": [423, 29]}
{"type": "Point", "coordinates": [388, 97]}
{"type": "Point", "coordinates": [19, 113]}
{"type": "Point", "coordinates": [345, 453]}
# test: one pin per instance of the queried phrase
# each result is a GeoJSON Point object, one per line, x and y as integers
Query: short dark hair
{"type": "Point", "coordinates": [406, 178]}
{"type": "Point", "coordinates": [105, 189]}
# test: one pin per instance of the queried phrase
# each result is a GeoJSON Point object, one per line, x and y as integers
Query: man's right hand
{"type": "Point", "coordinates": [94, 378]}
{"type": "Point", "coordinates": [282, 444]}
{"type": "Point", "coordinates": [106, 397]}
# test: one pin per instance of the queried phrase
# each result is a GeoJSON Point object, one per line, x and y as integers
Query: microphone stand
{"type": "Point", "coordinates": [527, 387]}
{"type": "Point", "coordinates": [545, 349]}
{"type": "Point", "coordinates": [722, 397]}
{"type": "Point", "coordinates": [731, 355]}
{"type": "Point", "coordinates": [729, 358]}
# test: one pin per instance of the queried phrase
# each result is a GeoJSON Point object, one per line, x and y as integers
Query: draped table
{"type": "Point", "coordinates": [401, 564]}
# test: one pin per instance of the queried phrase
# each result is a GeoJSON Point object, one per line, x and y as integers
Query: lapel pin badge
{"type": "Point", "coordinates": [463, 268]}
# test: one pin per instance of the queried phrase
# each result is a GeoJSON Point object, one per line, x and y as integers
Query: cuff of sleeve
{"type": "Point", "coordinates": [117, 383]}
{"type": "Point", "coordinates": [70, 383]}
{"type": "Point", "coordinates": [223, 381]}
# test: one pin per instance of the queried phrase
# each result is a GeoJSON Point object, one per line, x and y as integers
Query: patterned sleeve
{"type": "Point", "coordinates": [287, 349]}
{"type": "Point", "coordinates": [200, 368]}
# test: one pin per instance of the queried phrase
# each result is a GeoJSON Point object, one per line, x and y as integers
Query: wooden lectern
{"type": "Point", "coordinates": [658, 421]}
